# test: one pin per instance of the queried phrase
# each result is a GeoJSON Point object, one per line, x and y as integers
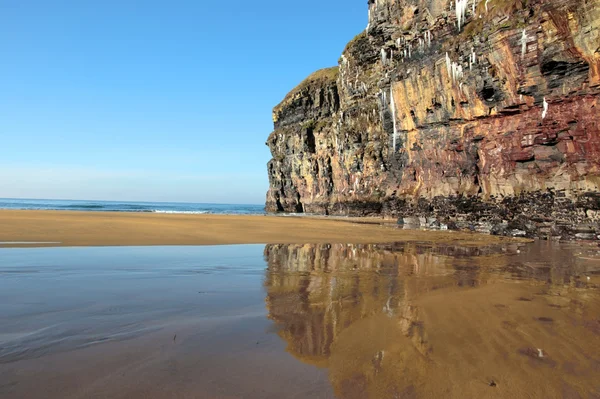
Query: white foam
{"type": "Point", "coordinates": [182, 212]}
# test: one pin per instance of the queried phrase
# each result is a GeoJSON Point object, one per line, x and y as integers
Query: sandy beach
{"type": "Point", "coordinates": [300, 320]}
{"type": "Point", "coordinates": [143, 229]}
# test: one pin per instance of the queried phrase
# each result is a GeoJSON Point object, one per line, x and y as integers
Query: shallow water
{"type": "Point", "coordinates": [295, 321]}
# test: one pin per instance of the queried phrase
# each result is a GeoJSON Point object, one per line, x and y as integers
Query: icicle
{"type": "Point", "coordinates": [370, 17]}
{"type": "Point", "coordinates": [393, 106]}
{"type": "Point", "coordinates": [545, 111]}
{"type": "Point", "coordinates": [458, 12]}
{"type": "Point", "coordinates": [409, 50]}
{"type": "Point", "coordinates": [473, 10]}
{"type": "Point", "coordinates": [486, 7]}
{"type": "Point", "coordinates": [405, 53]}
{"type": "Point", "coordinates": [428, 38]}
{"type": "Point", "coordinates": [455, 70]}
{"type": "Point", "coordinates": [383, 56]}
{"type": "Point", "coordinates": [461, 12]}
{"type": "Point", "coordinates": [392, 55]}
{"type": "Point", "coordinates": [523, 43]}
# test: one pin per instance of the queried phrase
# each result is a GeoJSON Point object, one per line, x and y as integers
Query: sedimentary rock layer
{"type": "Point", "coordinates": [477, 114]}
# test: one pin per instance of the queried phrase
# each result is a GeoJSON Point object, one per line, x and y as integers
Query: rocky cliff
{"type": "Point", "coordinates": [480, 114]}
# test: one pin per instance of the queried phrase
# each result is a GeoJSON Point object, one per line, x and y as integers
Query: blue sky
{"type": "Point", "coordinates": [154, 100]}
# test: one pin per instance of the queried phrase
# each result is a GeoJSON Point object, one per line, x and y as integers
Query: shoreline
{"type": "Point", "coordinates": [45, 228]}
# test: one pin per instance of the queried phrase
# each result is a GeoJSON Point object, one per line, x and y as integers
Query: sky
{"type": "Point", "coordinates": [148, 100]}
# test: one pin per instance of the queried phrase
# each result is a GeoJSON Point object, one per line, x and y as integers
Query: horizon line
{"type": "Point", "coordinates": [124, 201]}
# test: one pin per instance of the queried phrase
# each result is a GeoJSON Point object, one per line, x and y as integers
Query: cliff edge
{"type": "Point", "coordinates": [454, 114]}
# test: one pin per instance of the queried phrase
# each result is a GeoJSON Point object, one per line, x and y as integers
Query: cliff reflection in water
{"type": "Point", "coordinates": [410, 320]}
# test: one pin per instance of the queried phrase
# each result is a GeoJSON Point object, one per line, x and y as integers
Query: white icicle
{"type": "Point", "coordinates": [458, 12]}
{"type": "Point", "coordinates": [461, 12]}
{"type": "Point", "coordinates": [383, 56]}
{"type": "Point", "coordinates": [448, 65]}
{"type": "Point", "coordinates": [486, 7]}
{"type": "Point", "coordinates": [409, 50]}
{"type": "Point", "coordinates": [473, 10]}
{"type": "Point", "coordinates": [545, 111]}
{"type": "Point", "coordinates": [393, 106]}
{"type": "Point", "coordinates": [523, 43]}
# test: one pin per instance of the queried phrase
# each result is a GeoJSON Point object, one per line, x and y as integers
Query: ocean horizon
{"type": "Point", "coordinates": [131, 206]}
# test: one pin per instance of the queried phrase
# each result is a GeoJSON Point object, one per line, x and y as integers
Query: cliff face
{"type": "Point", "coordinates": [486, 117]}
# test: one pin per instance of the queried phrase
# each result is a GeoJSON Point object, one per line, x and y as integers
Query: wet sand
{"type": "Point", "coordinates": [57, 228]}
{"type": "Point", "coordinates": [412, 321]}
{"type": "Point", "coordinates": [408, 320]}
{"type": "Point", "coordinates": [145, 322]}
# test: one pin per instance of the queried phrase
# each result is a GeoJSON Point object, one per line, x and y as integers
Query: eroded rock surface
{"type": "Point", "coordinates": [492, 126]}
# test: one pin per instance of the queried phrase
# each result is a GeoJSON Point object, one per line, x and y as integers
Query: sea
{"type": "Point", "coordinates": [128, 206]}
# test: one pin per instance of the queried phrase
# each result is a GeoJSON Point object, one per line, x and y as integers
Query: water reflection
{"type": "Point", "coordinates": [410, 320]}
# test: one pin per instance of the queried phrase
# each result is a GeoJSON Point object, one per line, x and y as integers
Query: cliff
{"type": "Point", "coordinates": [460, 114]}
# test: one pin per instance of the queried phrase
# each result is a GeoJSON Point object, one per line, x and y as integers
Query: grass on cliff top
{"type": "Point", "coordinates": [321, 76]}
{"type": "Point", "coordinates": [352, 42]}
{"type": "Point", "coordinates": [496, 8]}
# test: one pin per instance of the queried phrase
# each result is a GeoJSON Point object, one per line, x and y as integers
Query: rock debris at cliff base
{"type": "Point", "coordinates": [488, 124]}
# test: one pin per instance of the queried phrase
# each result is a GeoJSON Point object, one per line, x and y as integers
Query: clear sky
{"type": "Point", "coordinates": [154, 100]}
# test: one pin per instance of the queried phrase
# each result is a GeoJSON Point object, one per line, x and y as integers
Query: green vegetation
{"type": "Point", "coordinates": [316, 126]}
{"type": "Point", "coordinates": [496, 8]}
{"type": "Point", "coordinates": [321, 77]}
{"type": "Point", "coordinates": [360, 36]}
{"type": "Point", "coordinates": [310, 124]}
